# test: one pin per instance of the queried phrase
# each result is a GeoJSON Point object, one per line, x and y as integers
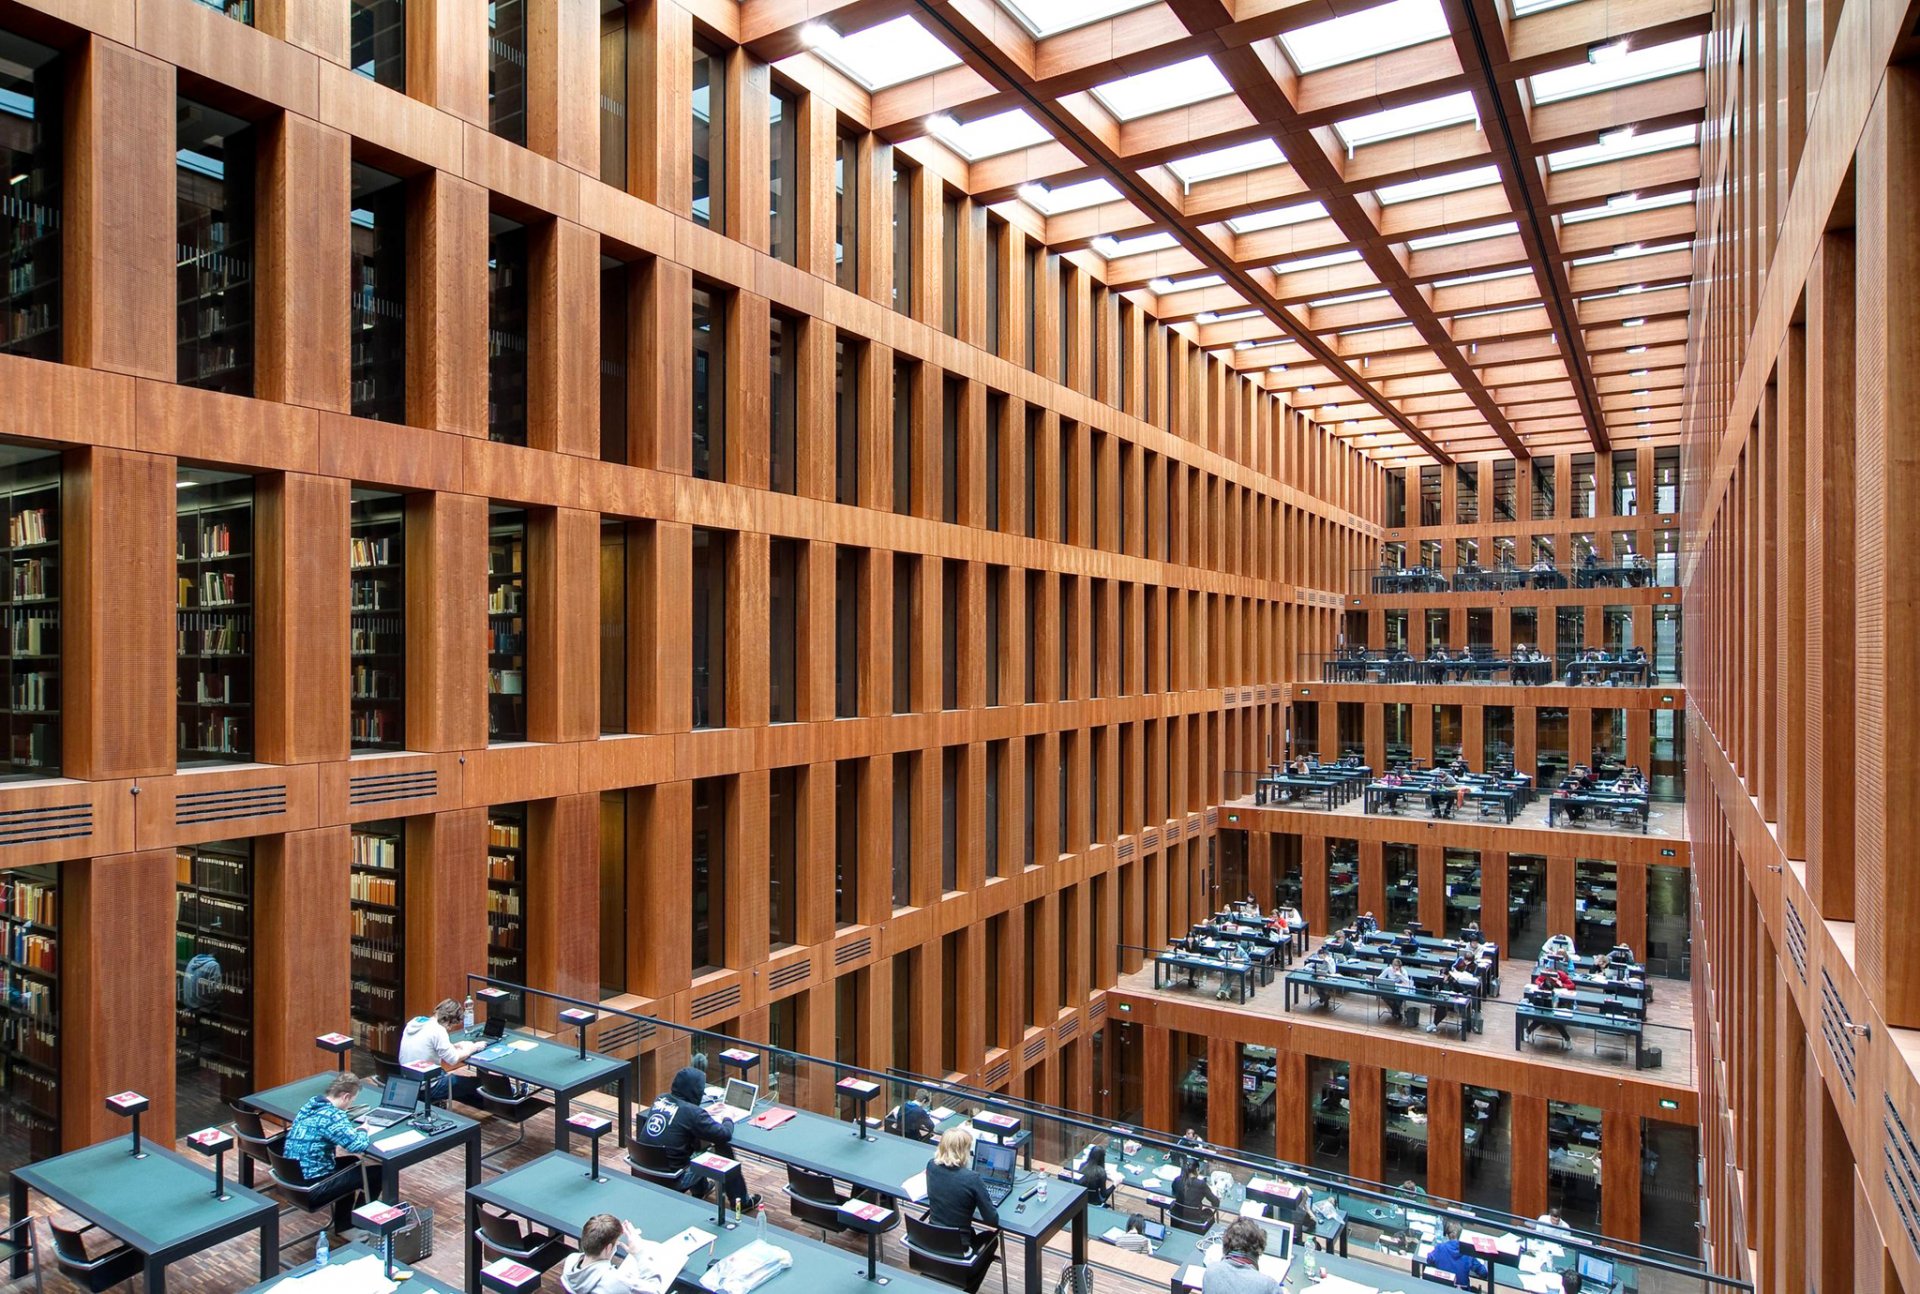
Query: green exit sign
{"type": "Point", "coordinates": [1667, 853]}
{"type": "Point", "coordinates": [1667, 1103]}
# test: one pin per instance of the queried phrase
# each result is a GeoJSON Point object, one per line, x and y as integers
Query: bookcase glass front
{"type": "Point", "coordinates": [213, 978]}
{"type": "Point", "coordinates": [214, 186]}
{"type": "Point", "coordinates": [214, 551]}
{"type": "Point", "coordinates": [377, 898]}
{"type": "Point", "coordinates": [377, 649]}
{"type": "Point", "coordinates": [30, 1027]}
{"type": "Point", "coordinates": [507, 625]}
{"type": "Point", "coordinates": [507, 900]}
{"type": "Point", "coordinates": [30, 483]}
{"type": "Point", "coordinates": [30, 148]}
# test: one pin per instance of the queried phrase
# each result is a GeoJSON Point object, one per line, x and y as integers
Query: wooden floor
{"type": "Point", "coordinates": [1666, 819]}
{"type": "Point", "coordinates": [1669, 1024]}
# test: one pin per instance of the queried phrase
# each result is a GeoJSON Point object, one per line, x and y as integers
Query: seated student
{"type": "Point", "coordinates": [916, 1117]}
{"type": "Point", "coordinates": [1395, 976]}
{"type": "Point", "coordinates": [1286, 917]}
{"type": "Point", "coordinates": [1340, 941]}
{"type": "Point", "coordinates": [1193, 1198]}
{"type": "Point", "coordinates": [1237, 1270]}
{"type": "Point", "coordinates": [1321, 963]}
{"type": "Point", "coordinates": [1455, 1259]}
{"type": "Point", "coordinates": [679, 1126]}
{"type": "Point", "coordinates": [955, 1193]}
{"type": "Point", "coordinates": [1365, 924]}
{"type": "Point", "coordinates": [321, 1127]}
{"type": "Point", "coordinates": [1094, 1176]}
{"type": "Point", "coordinates": [600, 1266]}
{"type": "Point", "coordinates": [1539, 994]}
{"type": "Point", "coordinates": [430, 1038]}
{"type": "Point", "coordinates": [1551, 1223]}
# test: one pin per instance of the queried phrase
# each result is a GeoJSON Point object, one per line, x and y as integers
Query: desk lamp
{"type": "Point", "coordinates": [593, 1127]}
{"type": "Point", "coordinates": [739, 1058]}
{"type": "Point", "coordinates": [337, 1043]}
{"type": "Point", "coordinates": [580, 1018]}
{"type": "Point", "coordinates": [861, 1091]}
{"type": "Point", "coordinates": [428, 1072]}
{"type": "Point", "coordinates": [377, 1217]}
{"type": "Point", "coordinates": [214, 1142]}
{"type": "Point", "coordinates": [869, 1219]}
{"type": "Point", "coordinates": [509, 1277]}
{"type": "Point", "coordinates": [130, 1104]}
{"type": "Point", "coordinates": [716, 1168]}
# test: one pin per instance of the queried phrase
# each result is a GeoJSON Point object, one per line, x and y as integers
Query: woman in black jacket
{"type": "Point", "coordinates": [955, 1193]}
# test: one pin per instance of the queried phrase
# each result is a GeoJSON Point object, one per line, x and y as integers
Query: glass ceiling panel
{"type": "Point", "coordinates": [1629, 68]}
{"type": "Point", "coordinates": [1277, 217]}
{"type": "Point", "coordinates": [1048, 17]}
{"type": "Point", "coordinates": [1521, 8]}
{"type": "Point", "coordinates": [991, 136]}
{"type": "Point", "coordinates": [1317, 262]}
{"type": "Point", "coordinates": [1354, 36]}
{"type": "Point", "coordinates": [1068, 197]}
{"type": "Point", "coordinates": [1164, 286]}
{"type": "Point", "coordinates": [1137, 246]}
{"type": "Point", "coordinates": [1465, 279]}
{"type": "Point", "coordinates": [1434, 186]}
{"type": "Point", "coordinates": [1228, 161]}
{"type": "Point", "coordinates": [1625, 204]}
{"type": "Point", "coordinates": [1620, 145]}
{"type": "Point", "coordinates": [1627, 251]}
{"type": "Point", "coordinates": [1462, 236]}
{"type": "Point", "coordinates": [888, 54]}
{"type": "Point", "coordinates": [1408, 120]}
{"type": "Point", "coordinates": [1146, 93]}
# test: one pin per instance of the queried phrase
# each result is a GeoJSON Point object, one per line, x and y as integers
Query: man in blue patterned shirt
{"type": "Point", "coordinates": [322, 1125]}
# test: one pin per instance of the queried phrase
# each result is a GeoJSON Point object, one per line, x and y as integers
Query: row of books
{"type": "Point", "coordinates": [506, 682]}
{"type": "Point", "coordinates": [21, 277]}
{"type": "Point", "coordinates": [371, 684]}
{"type": "Point", "coordinates": [31, 901]}
{"type": "Point", "coordinates": [215, 540]}
{"type": "Point", "coordinates": [210, 634]}
{"type": "Point", "coordinates": [37, 952]}
{"type": "Point", "coordinates": [212, 589]}
{"type": "Point", "coordinates": [503, 903]}
{"type": "Point", "coordinates": [30, 579]}
{"type": "Point", "coordinates": [502, 867]}
{"type": "Point", "coordinates": [504, 559]}
{"type": "Point", "coordinates": [211, 872]}
{"type": "Point", "coordinates": [502, 641]}
{"type": "Point", "coordinates": [373, 889]}
{"type": "Point", "coordinates": [27, 526]}
{"type": "Point", "coordinates": [33, 997]}
{"type": "Point", "coordinates": [379, 1036]}
{"type": "Point", "coordinates": [368, 594]}
{"type": "Point", "coordinates": [375, 930]}
{"type": "Point", "coordinates": [216, 735]}
{"type": "Point", "coordinates": [505, 600]}
{"type": "Point", "coordinates": [34, 748]}
{"type": "Point", "coordinates": [31, 219]}
{"type": "Point", "coordinates": [217, 688]}
{"type": "Point", "coordinates": [503, 833]}
{"type": "Point", "coordinates": [39, 1092]}
{"type": "Point", "coordinates": [26, 320]}
{"type": "Point", "coordinates": [381, 999]}
{"type": "Point", "coordinates": [383, 639]}
{"type": "Point", "coordinates": [363, 552]}
{"type": "Point", "coordinates": [376, 728]}
{"type": "Point", "coordinates": [35, 690]}
{"type": "Point", "coordinates": [504, 933]}
{"type": "Point", "coordinates": [370, 850]}
{"type": "Point", "coordinates": [36, 634]}
{"type": "Point", "coordinates": [203, 912]}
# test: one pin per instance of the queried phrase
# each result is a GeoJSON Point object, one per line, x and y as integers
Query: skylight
{"type": "Point", "coordinates": [1317, 262]}
{"type": "Point", "coordinates": [1068, 197]}
{"type": "Point", "coordinates": [1049, 17]}
{"type": "Point", "coordinates": [1627, 251]}
{"type": "Point", "coordinates": [1618, 146]}
{"type": "Point", "coordinates": [1349, 298]}
{"type": "Point", "coordinates": [1461, 236]}
{"type": "Point", "coordinates": [1355, 36]}
{"type": "Point", "coordinates": [1227, 161]}
{"type": "Point", "coordinates": [1137, 246]}
{"type": "Point", "coordinates": [1466, 279]}
{"type": "Point", "coordinates": [1522, 8]}
{"type": "Point", "coordinates": [1630, 68]}
{"type": "Point", "coordinates": [1628, 205]}
{"type": "Point", "coordinates": [896, 51]}
{"type": "Point", "coordinates": [1188, 285]}
{"type": "Point", "coordinates": [1436, 185]}
{"type": "Point", "coordinates": [991, 136]}
{"type": "Point", "coordinates": [1277, 217]}
{"type": "Point", "coordinates": [1146, 93]}
{"type": "Point", "coordinates": [1411, 119]}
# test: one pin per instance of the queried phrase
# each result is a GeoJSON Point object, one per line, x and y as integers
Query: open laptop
{"type": "Point", "coordinates": [1596, 1271]}
{"type": "Point", "coordinates": [994, 1163]}
{"type": "Point", "coordinates": [397, 1102]}
{"type": "Point", "coordinates": [736, 1102]}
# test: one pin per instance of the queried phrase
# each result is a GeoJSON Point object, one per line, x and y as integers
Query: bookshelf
{"type": "Point", "coordinates": [507, 893]}
{"type": "Point", "coordinates": [377, 898]}
{"type": "Point", "coordinates": [507, 317]}
{"type": "Point", "coordinates": [213, 978]}
{"type": "Point", "coordinates": [377, 255]}
{"type": "Point", "coordinates": [507, 625]}
{"type": "Point", "coordinates": [214, 265]}
{"type": "Point", "coordinates": [214, 553]}
{"type": "Point", "coordinates": [30, 207]}
{"type": "Point", "coordinates": [377, 646]}
{"type": "Point", "coordinates": [29, 1016]}
{"type": "Point", "coordinates": [30, 483]}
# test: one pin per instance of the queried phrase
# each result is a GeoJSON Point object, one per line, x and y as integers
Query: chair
{"type": "Point", "coordinates": [650, 1164]}
{"type": "Point", "coordinates": [291, 1187]}
{"type": "Point", "coordinates": [946, 1254]}
{"type": "Point", "coordinates": [503, 1237]}
{"type": "Point", "coordinates": [1194, 1220]}
{"type": "Point", "coordinates": [16, 1240]}
{"type": "Point", "coordinates": [94, 1273]}
{"type": "Point", "coordinates": [812, 1199]}
{"type": "Point", "coordinates": [255, 1143]}
{"type": "Point", "coordinates": [500, 1099]}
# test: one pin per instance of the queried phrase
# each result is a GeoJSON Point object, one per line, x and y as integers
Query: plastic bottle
{"type": "Point", "coordinates": [466, 1014]}
{"type": "Point", "coordinates": [320, 1251]}
{"type": "Point", "coordinates": [1043, 1190]}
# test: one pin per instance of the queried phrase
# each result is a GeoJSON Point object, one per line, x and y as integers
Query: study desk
{"type": "Point", "coordinates": [418, 1283]}
{"type": "Point", "coordinates": [555, 1192]}
{"type": "Point", "coordinates": [1623, 576]}
{"type": "Point", "coordinates": [1465, 1012]}
{"type": "Point", "coordinates": [161, 1206]}
{"type": "Point", "coordinates": [883, 1163]}
{"type": "Point", "coordinates": [1618, 807]}
{"type": "Point", "coordinates": [558, 1068]}
{"type": "Point", "coordinates": [1168, 965]}
{"type": "Point", "coordinates": [451, 1131]}
{"type": "Point", "coordinates": [1609, 670]}
{"type": "Point", "coordinates": [1286, 788]}
{"type": "Point", "coordinates": [1411, 579]}
{"type": "Point", "coordinates": [1620, 1025]}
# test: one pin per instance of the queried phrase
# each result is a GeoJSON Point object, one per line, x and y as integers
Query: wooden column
{"type": "Point", "coordinates": [1445, 1139]}
{"type": "Point", "coordinates": [1620, 1175]}
{"type": "Point", "coordinates": [447, 304]}
{"type": "Point", "coordinates": [446, 637]}
{"type": "Point", "coordinates": [563, 82]}
{"type": "Point", "coordinates": [664, 654]}
{"type": "Point", "coordinates": [1313, 882]}
{"type": "Point", "coordinates": [301, 937]}
{"type": "Point", "coordinates": [1527, 1154]}
{"type": "Point", "coordinates": [1366, 1121]}
{"type": "Point", "coordinates": [1630, 907]}
{"type": "Point", "coordinates": [301, 329]}
{"type": "Point", "coordinates": [300, 592]}
{"type": "Point", "coordinates": [1293, 1108]}
{"type": "Point", "coordinates": [563, 332]}
{"type": "Point", "coordinates": [1829, 582]}
{"type": "Point", "coordinates": [563, 898]}
{"type": "Point", "coordinates": [1559, 896]}
{"type": "Point", "coordinates": [1494, 898]}
{"type": "Point", "coordinates": [1433, 889]}
{"type": "Point", "coordinates": [446, 905]}
{"type": "Point", "coordinates": [1156, 1078]}
{"type": "Point", "coordinates": [662, 964]}
{"type": "Point", "coordinates": [1223, 1090]}
{"type": "Point", "coordinates": [1373, 881]}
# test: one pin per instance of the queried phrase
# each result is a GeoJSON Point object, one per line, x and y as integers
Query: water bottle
{"type": "Point", "coordinates": [1043, 1190]}
{"type": "Point", "coordinates": [320, 1251]}
{"type": "Point", "coordinates": [466, 1014]}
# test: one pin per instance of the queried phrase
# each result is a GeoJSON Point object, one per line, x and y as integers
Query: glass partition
{"type": "Point", "coordinates": [1526, 907]}
{"type": "Point", "coordinates": [1403, 885]}
{"type": "Point", "coordinates": [1463, 890]}
{"type": "Point", "coordinates": [1343, 882]}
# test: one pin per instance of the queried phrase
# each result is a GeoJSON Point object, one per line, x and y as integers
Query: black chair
{"type": "Point", "coordinates": [503, 1237]}
{"type": "Point", "coordinates": [502, 1100]}
{"type": "Point", "coordinates": [812, 1199]}
{"type": "Point", "coordinates": [254, 1140]}
{"type": "Point", "coordinates": [290, 1186]}
{"type": "Point", "coordinates": [1196, 1220]}
{"type": "Point", "coordinates": [16, 1241]}
{"type": "Point", "coordinates": [96, 1273]}
{"type": "Point", "coordinates": [650, 1164]}
{"type": "Point", "coordinates": [949, 1255]}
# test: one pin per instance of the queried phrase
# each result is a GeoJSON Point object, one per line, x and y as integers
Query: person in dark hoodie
{"type": "Point", "coordinates": [678, 1125]}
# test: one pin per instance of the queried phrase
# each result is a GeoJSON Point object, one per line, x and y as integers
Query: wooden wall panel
{"type": "Point", "coordinates": [117, 1025]}
{"type": "Point", "coordinates": [301, 969]}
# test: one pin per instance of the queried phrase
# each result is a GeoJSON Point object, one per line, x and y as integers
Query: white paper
{"type": "Point", "coordinates": [401, 1140]}
{"type": "Point", "coordinates": [916, 1187]}
{"type": "Point", "coordinates": [364, 1275]}
{"type": "Point", "coordinates": [523, 1044]}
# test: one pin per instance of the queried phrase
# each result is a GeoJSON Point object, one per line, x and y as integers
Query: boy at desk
{"type": "Point", "coordinates": [612, 1260]}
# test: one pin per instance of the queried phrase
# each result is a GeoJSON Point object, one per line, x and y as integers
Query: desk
{"type": "Point", "coordinates": [161, 1206]}
{"type": "Point", "coordinates": [555, 1192]}
{"type": "Point", "coordinates": [1623, 1026]}
{"type": "Point", "coordinates": [1609, 670]}
{"type": "Point", "coordinates": [421, 1283]}
{"type": "Point", "coordinates": [284, 1102]}
{"type": "Point", "coordinates": [1464, 1010]}
{"type": "Point", "coordinates": [1621, 808]}
{"type": "Point", "coordinates": [1284, 788]}
{"type": "Point", "coordinates": [883, 1165]}
{"type": "Point", "coordinates": [1636, 576]}
{"type": "Point", "coordinates": [1412, 579]}
{"type": "Point", "coordinates": [1167, 965]}
{"type": "Point", "coordinates": [558, 1068]}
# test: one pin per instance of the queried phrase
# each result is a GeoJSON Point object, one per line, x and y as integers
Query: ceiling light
{"type": "Point", "coordinates": [1606, 51]}
{"type": "Point", "coordinates": [1643, 393]}
{"type": "Point", "coordinates": [1307, 387]}
{"type": "Point", "coordinates": [815, 34]}
{"type": "Point", "coordinates": [1276, 368]}
{"type": "Point", "coordinates": [1105, 246]}
{"type": "Point", "coordinates": [1633, 288]}
{"type": "Point", "coordinates": [1632, 323]}
{"type": "Point", "coordinates": [1643, 409]}
{"type": "Point", "coordinates": [1616, 137]}
{"type": "Point", "coordinates": [1160, 287]}
{"type": "Point", "coordinates": [1243, 345]}
{"type": "Point", "coordinates": [1640, 372]}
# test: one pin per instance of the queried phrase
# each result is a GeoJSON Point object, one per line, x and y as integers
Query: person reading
{"type": "Point", "coordinates": [679, 1126]}
{"type": "Point", "coordinates": [955, 1193]}
{"type": "Point", "coordinates": [323, 1126]}
{"type": "Point", "coordinates": [429, 1039]}
{"type": "Point", "coordinates": [601, 1266]}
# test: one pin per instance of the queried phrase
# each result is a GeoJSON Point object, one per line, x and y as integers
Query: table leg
{"type": "Point", "coordinates": [156, 1276]}
{"type": "Point", "coordinates": [626, 1102]}
{"type": "Point", "coordinates": [18, 1210]}
{"type": "Point", "coordinates": [473, 1245]}
{"type": "Point", "coordinates": [1035, 1284]}
{"type": "Point", "coordinates": [473, 1157]}
{"type": "Point", "coordinates": [270, 1247]}
{"type": "Point", "coordinates": [561, 1103]}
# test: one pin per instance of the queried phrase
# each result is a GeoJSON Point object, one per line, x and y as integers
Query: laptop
{"type": "Point", "coordinates": [994, 1163]}
{"type": "Point", "coordinates": [737, 1101]}
{"type": "Point", "coordinates": [397, 1101]}
{"type": "Point", "coordinates": [1596, 1270]}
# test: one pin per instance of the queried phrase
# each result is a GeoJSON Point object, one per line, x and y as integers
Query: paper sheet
{"type": "Point", "coordinates": [401, 1140]}
{"type": "Point", "coordinates": [916, 1187]}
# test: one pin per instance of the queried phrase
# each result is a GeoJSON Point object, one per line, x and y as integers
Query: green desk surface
{"type": "Point", "coordinates": [284, 1102]}
{"type": "Point", "coordinates": [555, 1191]}
{"type": "Point", "coordinates": [153, 1203]}
{"type": "Point", "coordinates": [884, 1163]}
{"type": "Point", "coordinates": [419, 1283]}
{"type": "Point", "coordinates": [554, 1066]}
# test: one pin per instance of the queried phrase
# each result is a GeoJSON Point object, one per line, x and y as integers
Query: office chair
{"type": "Point", "coordinates": [503, 1237]}
{"type": "Point", "coordinates": [1194, 1220]}
{"type": "Point", "coordinates": [255, 1142]}
{"type": "Point", "coordinates": [502, 1100]}
{"type": "Point", "coordinates": [649, 1163]}
{"type": "Point", "coordinates": [90, 1272]}
{"type": "Point", "coordinates": [291, 1187]}
{"type": "Point", "coordinates": [16, 1240]}
{"type": "Point", "coordinates": [948, 1255]}
{"type": "Point", "coordinates": [812, 1199]}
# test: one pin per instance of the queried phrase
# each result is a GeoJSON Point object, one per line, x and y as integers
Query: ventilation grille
{"type": "Point", "coordinates": [1213, 819]}
{"type": "Point", "coordinates": [385, 788]}
{"type": "Point", "coordinates": [1193, 827]}
{"type": "Point", "coordinates": [996, 1073]}
{"type": "Point", "coordinates": [716, 1002]}
{"type": "Point", "coordinates": [628, 1033]}
{"type": "Point", "coordinates": [1123, 848]}
{"type": "Point", "coordinates": [1797, 940]}
{"type": "Point", "coordinates": [1069, 1029]}
{"type": "Point", "coordinates": [1036, 1047]}
{"type": "Point", "coordinates": [852, 951]}
{"type": "Point", "coordinates": [1097, 1011]}
{"type": "Point", "coordinates": [1833, 1027]}
{"type": "Point", "coordinates": [791, 974]}
{"type": "Point", "coordinates": [1150, 839]}
{"type": "Point", "coordinates": [49, 822]}
{"type": "Point", "coordinates": [1902, 1172]}
{"type": "Point", "coordinates": [194, 807]}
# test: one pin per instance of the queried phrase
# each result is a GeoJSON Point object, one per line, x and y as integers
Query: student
{"type": "Point", "coordinates": [1454, 1259]}
{"type": "Point", "coordinates": [1539, 994]}
{"type": "Point", "coordinates": [1395, 976]}
{"type": "Point", "coordinates": [679, 1126]}
{"type": "Point", "coordinates": [1093, 1174]}
{"type": "Point", "coordinates": [1192, 1196]}
{"type": "Point", "coordinates": [1366, 924]}
{"type": "Point", "coordinates": [1237, 1270]}
{"type": "Point", "coordinates": [1552, 1224]}
{"type": "Point", "coordinates": [321, 1127]}
{"type": "Point", "coordinates": [1318, 964]}
{"type": "Point", "coordinates": [599, 1267]}
{"type": "Point", "coordinates": [955, 1193]}
{"type": "Point", "coordinates": [916, 1117]}
{"type": "Point", "coordinates": [430, 1038]}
